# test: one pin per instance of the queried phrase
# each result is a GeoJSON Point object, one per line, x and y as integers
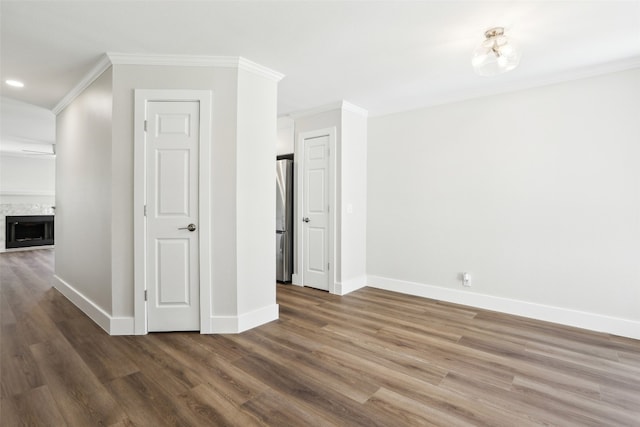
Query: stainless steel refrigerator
{"type": "Point", "coordinates": [284, 220]}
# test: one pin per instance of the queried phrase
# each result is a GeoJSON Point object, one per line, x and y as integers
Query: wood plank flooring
{"type": "Point", "coordinates": [372, 358]}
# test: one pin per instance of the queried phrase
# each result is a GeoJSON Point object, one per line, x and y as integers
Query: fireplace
{"type": "Point", "coordinates": [29, 230]}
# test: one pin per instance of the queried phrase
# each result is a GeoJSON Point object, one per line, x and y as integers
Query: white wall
{"type": "Point", "coordinates": [285, 142]}
{"type": "Point", "coordinates": [25, 125]}
{"type": "Point", "coordinates": [353, 212]}
{"type": "Point", "coordinates": [83, 222]}
{"type": "Point", "coordinates": [350, 182]}
{"type": "Point", "coordinates": [308, 123]}
{"type": "Point", "coordinates": [256, 189]}
{"type": "Point", "coordinates": [223, 83]}
{"type": "Point", "coordinates": [96, 134]}
{"type": "Point", "coordinates": [535, 193]}
{"type": "Point", "coordinates": [27, 179]}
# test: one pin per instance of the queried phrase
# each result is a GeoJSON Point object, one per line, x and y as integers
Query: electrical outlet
{"type": "Point", "coordinates": [466, 280]}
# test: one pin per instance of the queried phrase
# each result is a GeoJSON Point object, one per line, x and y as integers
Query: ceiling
{"type": "Point", "coordinates": [384, 56]}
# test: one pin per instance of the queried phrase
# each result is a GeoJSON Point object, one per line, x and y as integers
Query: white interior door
{"type": "Point", "coordinates": [315, 213]}
{"type": "Point", "coordinates": [172, 262]}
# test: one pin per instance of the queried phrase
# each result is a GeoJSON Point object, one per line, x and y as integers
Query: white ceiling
{"type": "Point", "coordinates": [384, 56]}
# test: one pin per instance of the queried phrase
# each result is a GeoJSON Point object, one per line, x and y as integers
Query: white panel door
{"type": "Point", "coordinates": [173, 289]}
{"type": "Point", "coordinates": [315, 216]}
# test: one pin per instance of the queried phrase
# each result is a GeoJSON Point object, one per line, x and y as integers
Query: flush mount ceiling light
{"type": "Point", "coordinates": [14, 83]}
{"type": "Point", "coordinates": [496, 54]}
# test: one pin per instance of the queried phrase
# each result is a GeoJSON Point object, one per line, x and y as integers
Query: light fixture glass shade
{"type": "Point", "coordinates": [496, 54]}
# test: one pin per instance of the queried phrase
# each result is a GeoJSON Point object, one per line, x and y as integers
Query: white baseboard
{"type": "Point", "coordinates": [121, 326]}
{"type": "Point", "coordinates": [563, 316]}
{"type": "Point", "coordinates": [112, 325]}
{"type": "Point", "coordinates": [243, 322]}
{"type": "Point", "coordinates": [221, 325]}
{"type": "Point", "coordinates": [258, 317]}
{"type": "Point", "coordinates": [347, 286]}
{"type": "Point", "coordinates": [295, 280]}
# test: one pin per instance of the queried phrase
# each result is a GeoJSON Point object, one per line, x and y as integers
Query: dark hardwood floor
{"type": "Point", "coordinates": [372, 358]}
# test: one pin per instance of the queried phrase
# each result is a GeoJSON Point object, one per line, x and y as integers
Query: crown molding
{"type": "Point", "coordinates": [582, 73]}
{"type": "Point", "coordinates": [103, 64]}
{"type": "Point", "coordinates": [113, 58]}
{"type": "Point", "coordinates": [341, 105]}
{"type": "Point", "coordinates": [250, 66]}
{"type": "Point", "coordinates": [176, 60]}
{"type": "Point", "coordinates": [526, 84]}
{"type": "Point", "coordinates": [347, 106]}
{"type": "Point", "coordinates": [285, 122]}
{"type": "Point", "coordinates": [194, 61]}
{"type": "Point", "coordinates": [317, 110]}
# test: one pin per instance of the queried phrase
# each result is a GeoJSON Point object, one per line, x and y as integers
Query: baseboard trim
{"type": "Point", "coordinates": [258, 317]}
{"type": "Point", "coordinates": [243, 322]}
{"type": "Point", "coordinates": [348, 286]}
{"type": "Point", "coordinates": [222, 325]}
{"type": "Point", "coordinates": [295, 280]}
{"type": "Point", "coordinates": [564, 316]}
{"type": "Point", "coordinates": [122, 326]}
{"type": "Point", "coordinates": [111, 325]}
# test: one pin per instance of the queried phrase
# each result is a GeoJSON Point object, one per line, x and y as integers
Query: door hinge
{"type": "Point", "coordinates": [145, 294]}
{"type": "Point", "coordinates": [145, 125]}
{"type": "Point", "coordinates": [328, 265]}
{"type": "Point", "coordinates": [145, 210]}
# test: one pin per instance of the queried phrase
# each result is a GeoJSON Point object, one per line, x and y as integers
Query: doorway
{"type": "Point", "coordinates": [316, 210]}
{"type": "Point", "coordinates": [172, 237]}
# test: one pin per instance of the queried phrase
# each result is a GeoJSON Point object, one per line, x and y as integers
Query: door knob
{"type": "Point", "coordinates": [190, 227]}
{"type": "Point", "coordinates": [305, 219]}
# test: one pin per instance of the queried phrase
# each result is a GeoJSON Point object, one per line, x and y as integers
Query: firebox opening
{"type": "Point", "coordinates": [29, 230]}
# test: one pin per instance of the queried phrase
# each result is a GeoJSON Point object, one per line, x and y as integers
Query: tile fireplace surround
{"type": "Point", "coordinates": [19, 209]}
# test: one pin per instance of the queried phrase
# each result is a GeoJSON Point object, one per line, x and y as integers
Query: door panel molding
{"type": "Point", "coordinates": [298, 275]}
{"type": "Point", "coordinates": [142, 98]}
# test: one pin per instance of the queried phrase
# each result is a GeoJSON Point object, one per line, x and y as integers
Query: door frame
{"type": "Point", "coordinates": [299, 164]}
{"type": "Point", "coordinates": [141, 98]}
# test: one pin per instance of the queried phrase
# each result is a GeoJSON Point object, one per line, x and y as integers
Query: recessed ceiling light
{"type": "Point", "coordinates": [14, 83]}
